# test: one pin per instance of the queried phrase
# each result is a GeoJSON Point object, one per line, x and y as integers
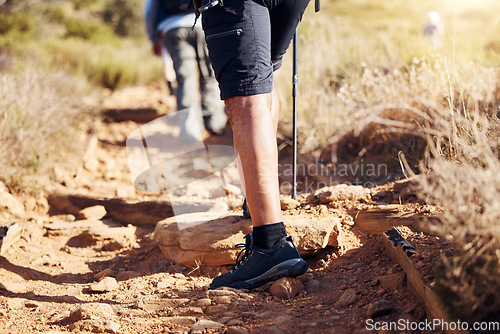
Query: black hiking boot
{"type": "Point", "coordinates": [258, 266]}
{"type": "Point", "coordinates": [246, 211]}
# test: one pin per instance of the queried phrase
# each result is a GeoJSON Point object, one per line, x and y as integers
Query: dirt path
{"type": "Point", "coordinates": [95, 275]}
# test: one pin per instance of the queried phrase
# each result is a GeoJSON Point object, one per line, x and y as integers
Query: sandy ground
{"type": "Point", "coordinates": [114, 278]}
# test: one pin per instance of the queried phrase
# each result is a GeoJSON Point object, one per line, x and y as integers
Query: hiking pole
{"type": "Point", "coordinates": [295, 79]}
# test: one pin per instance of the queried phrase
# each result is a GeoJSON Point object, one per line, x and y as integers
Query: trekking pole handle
{"type": "Point", "coordinates": [210, 4]}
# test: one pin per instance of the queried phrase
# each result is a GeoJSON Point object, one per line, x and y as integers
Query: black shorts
{"type": "Point", "coordinates": [247, 39]}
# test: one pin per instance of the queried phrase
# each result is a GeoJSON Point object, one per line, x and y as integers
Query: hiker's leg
{"type": "Point", "coordinates": [179, 43]}
{"type": "Point", "coordinates": [212, 106]}
{"type": "Point", "coordinates": [275, 107]}
{"type": "Point", "coordinates": [254, 135]}
{"type": "Point", "coordinates": [238, 35]}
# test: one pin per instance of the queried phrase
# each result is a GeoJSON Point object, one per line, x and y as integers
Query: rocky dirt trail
{"type": "Point", "coordinates": [86, 257]}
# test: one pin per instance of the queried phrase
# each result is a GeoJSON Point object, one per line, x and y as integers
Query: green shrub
{"type": "Point", "coordinates": [88, 30]}
{"type": "Point", "coordinates": [125, 17]}
{"type": "Point", "coordinates": [23, 22]}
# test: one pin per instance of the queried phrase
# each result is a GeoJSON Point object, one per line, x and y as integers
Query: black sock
{"type": "Point", "coordinates": [265, 236]}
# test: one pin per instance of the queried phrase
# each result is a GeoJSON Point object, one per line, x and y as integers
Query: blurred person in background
{"type": "Point", "coordinates": [434, 29]}
{"type": "Point", "coordinates": [169, 26]}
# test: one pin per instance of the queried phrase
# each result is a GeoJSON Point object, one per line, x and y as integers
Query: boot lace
{"type": "Point", "coordinates": [243, 254]}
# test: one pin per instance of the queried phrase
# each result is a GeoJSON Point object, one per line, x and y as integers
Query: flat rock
{"type": "Point", "coordinates": [111, 327]}
{"type": "Point", "coordinates": [92, 212]}
{"type": "Point", "coordinates": [286, 287]}
{"type": "Point", "coordinates": [154, 305]}
{"type": "Point", "coordinates": [380, 308]}
{"type": "Point", "coordinates": [212, 243]}
{"type": "Point", "coordinates": [341, 192]}
{"type": "Point", "coordinates": [90, 311]}
{"type": "Point", "coordinates": [11, 204]}
{"type": "Point", "coordinates": [107, 284]}
{"type": "Point", "coordinates": [13, 287]}
{"type": "Point", "coordinates": [203, 302]}
{"type": "Point", "coordinates": [348, 297]}
{"type": "Point", "coordinates": [180, 321]}
{"type": "Point", "coordinates": [206, 324]}
{"type": "Point", "coordinates": [236, 330]}
{"type": "Point", "coordinates": [9, 235]}
{"type": "Point", "coordinates": [188, 311]}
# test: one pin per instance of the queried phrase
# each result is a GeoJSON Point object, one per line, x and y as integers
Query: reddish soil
{"type": "Point", "coordinates": [46, 276]}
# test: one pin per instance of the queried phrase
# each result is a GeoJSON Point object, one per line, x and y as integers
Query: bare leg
{"type": "Point", "coordinates": [275, 108]}
{"type": "Point", "coordinates": [254, 134]}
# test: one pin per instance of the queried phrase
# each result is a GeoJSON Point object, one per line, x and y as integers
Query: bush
{"type": "Point", "coordinates": [39, 113]}
{"type": "Point", "coordinates": [88, 30]}
{"type": "Point", "coordinates": [125, 17]}
{"type": "Point", "coordinates": [23, 22]}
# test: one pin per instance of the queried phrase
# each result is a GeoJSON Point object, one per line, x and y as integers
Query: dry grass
{"type": "Point", "coordinates": [463, 177]}
{"type": "Point", "coordinates": [369, 82]}
{"type": "Point", "coordinates": [39, 114]}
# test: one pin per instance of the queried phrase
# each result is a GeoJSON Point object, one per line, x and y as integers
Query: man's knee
{"type": "Point", "coordinates": [247, 107]}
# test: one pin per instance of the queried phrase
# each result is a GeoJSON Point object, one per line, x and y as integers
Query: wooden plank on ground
{"type": "Point", "coordinates": [433, 305]}
{"type": "Point", "coordinates": [382, 218]}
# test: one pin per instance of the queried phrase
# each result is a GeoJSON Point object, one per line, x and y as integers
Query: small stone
{"type": "Point", "coordinates": [392, 281]}
{"type": "Point", "coordinates": [313, 285]}
{"type": "Point", "coordinates": [188, 311]}
{"type": "Point", "coordinates": [15, 303]}
{"type": "Point", "coordinates": [220, 293]}
{"type": "Point", "coordinates": [222, 299]}
{"type": "Point", "coordinates": [113, 246]}
{"type": "Point", "coordinates": [154, 305]}
{"type": "Point", "coordinates": [349, 297]}
{"type": "Point", "coordinates": [206, 324]}
{"type": "Point", "coordinates": [288, 203]}
{"type": "Point", "coordinates": [236, 330]}
{"type": "Point", "coordinates": [13, 287]}
{"type": "Point", "coordinates": [181, 321]}
{"type": "Point", "coordinates": [11, 204]}
{"type": "Point", "coordinates": [111, 326]}
{"type": "Point", "coordinates": [305, 278]}
{"type": "Point", "coordinates": [224, 320]}
{"type": "Point", "coordinates": [107, 284]}
{"type": "Point", "coordinates": [93, 212]}
{"type": "Point", "coordinates": [242, 302]}
{"type": "Point", "coordinates": [325, 197]}
{"type": "Point", "coordinates": [216, 309]}
{"type": "Point", "coordinates": [89, 311]}
{"type": "Point", "coordinates": [247, 314]}
{"type": "Point", "coordinates": [286, 287]}
{"type": "Point", "coordinates": [126, 275]}
{"type": "Point", "coordinates": [104, 273]}
{"type": "Point", "coordinates": [30, 304]}
{"type": "Point", "coordinates": [354, 266]}
{"type": "Point", "coordinates": [380, 307]}
{"type": "Point", "coordinates": [273, 330]}
{"type": "Point", "coordinates": [234, 322]}
{"type": "Point", "coordinates": [203, 302]}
